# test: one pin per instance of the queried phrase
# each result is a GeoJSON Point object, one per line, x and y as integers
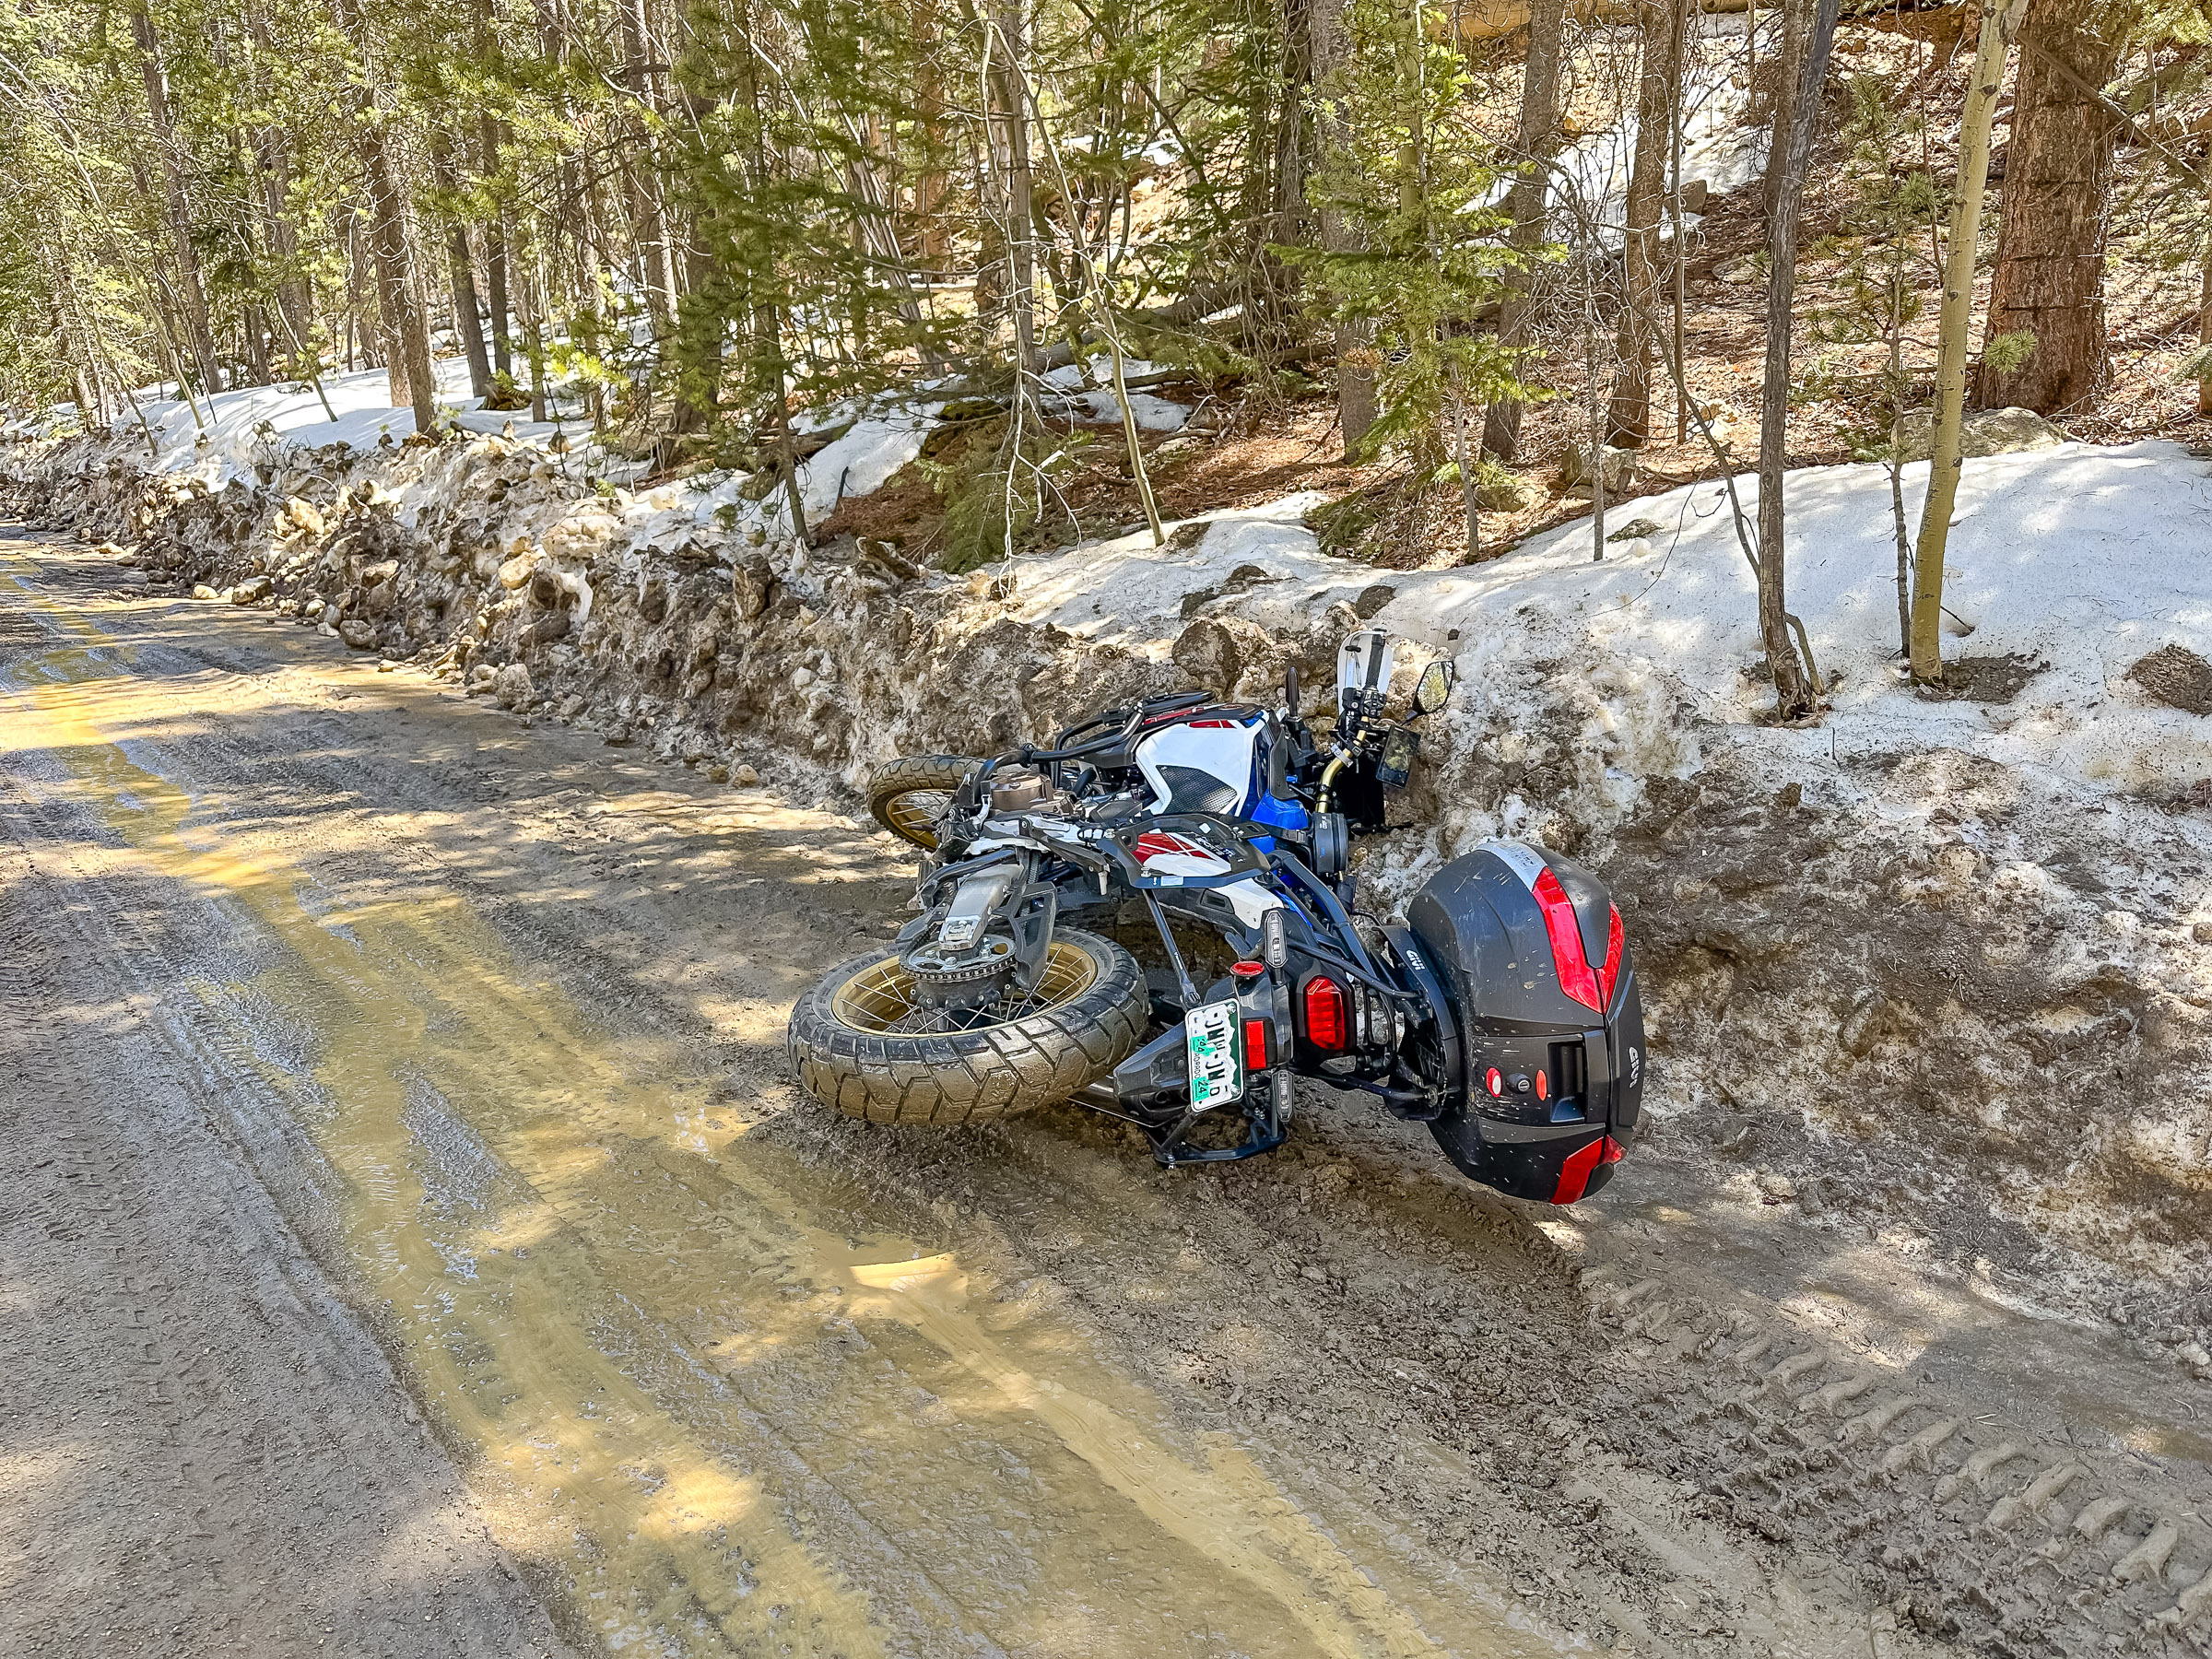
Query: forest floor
{"type": "Point", "coordinates": [1257, 442]}
{"type": "Point", "coordinates": [427, 1062]}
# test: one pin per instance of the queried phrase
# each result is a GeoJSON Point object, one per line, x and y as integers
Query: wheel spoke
{"type": "Point", "coordinates": [917, 813]}
{"type": "Point", "coordinates": [880, 998]}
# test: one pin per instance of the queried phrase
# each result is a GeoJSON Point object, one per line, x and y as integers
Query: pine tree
{"type": "Point", "coordinates": [1410, 176]}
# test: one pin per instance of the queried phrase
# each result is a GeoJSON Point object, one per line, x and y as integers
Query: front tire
{"type": "Point", "coordinates": [909, 795]}
{"type": "Point", "coordinates": [860, 1044]}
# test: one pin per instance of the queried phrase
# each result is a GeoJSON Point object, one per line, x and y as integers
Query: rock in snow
{"type": "Point", "coordinates": [1987, 432]}
{"type": "Point", "coordinates": [2176, 677]}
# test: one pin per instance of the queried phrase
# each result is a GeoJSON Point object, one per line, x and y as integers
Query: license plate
{"type": "Point", "coordinates": [1217, 1069]}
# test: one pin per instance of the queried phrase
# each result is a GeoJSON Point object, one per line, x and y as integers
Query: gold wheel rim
{"type": "Point", "coordinates": [916, 813]}
{"type": "Point", "coordinates": [880, 997]}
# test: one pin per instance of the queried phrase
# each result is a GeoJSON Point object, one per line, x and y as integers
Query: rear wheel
{"type": "Point", "coordinates": [863, 1043]}
{"type": "Point", "coordinates": [909, 795]}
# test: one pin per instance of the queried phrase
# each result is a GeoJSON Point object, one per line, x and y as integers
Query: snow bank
{"type": "Point", "coordinates": [2080, 560]}
{"type": "Point", "coordinates": [1128, 592]}
{"type": "Point", "coordinates": [863, 460]}
{"type": "Point", "coordinates": [245, 432]}
{"type": "Point", "coordinates": [215, 437]}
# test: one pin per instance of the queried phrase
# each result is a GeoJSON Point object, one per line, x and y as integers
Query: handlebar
{"type": "Point", "coordinates": [1119, 719]}
{"type": "Point", "coordinates": [1077, 751]}
{"type": "Point", "coordinates": [1172, 701]}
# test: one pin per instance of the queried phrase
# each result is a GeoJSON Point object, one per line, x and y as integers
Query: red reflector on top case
{"type": "Point", "coordinates": [1574, 1173]}
{"type": "Point", "coordinates": [1495, 1083]}
{"type": "Point", "coordinates": [1543, 1086]}
{"type": "Point", "coordinates": [1575, 977]}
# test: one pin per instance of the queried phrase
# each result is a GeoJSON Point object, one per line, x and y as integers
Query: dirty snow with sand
{"type": "Point", "coordinates": [2069, 565]}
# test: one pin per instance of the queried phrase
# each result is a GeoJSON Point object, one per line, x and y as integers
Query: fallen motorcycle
{"type": "Point", "coordinates": [1502, 1008]}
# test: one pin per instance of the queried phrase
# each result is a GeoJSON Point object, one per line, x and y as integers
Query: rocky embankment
{"type": "Point", "coordinates": [481, 562]}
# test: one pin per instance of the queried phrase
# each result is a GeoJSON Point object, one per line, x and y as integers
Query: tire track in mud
{"type": "Point", "coordinates": [1975, 1529]}
{"type": "Point", "coordinates": [605, 1181]}
{"type": "Point", "coordinates": [1500, 1412]}
{"type": "Point", "coordinates": [205, 1456]}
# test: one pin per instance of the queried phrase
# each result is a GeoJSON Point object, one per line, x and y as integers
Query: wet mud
{"type": "Point", "coordinates": [491, 1017]}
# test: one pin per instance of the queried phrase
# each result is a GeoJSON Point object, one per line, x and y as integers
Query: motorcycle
{"type": "Point", "coordinates": [1502, 1007]}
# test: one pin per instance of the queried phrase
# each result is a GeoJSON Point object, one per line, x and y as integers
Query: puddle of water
{"type": "Point", "coordinates": [724, 1414]}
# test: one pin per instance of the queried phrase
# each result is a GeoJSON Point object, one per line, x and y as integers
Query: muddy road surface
{"type": "Point", "coordinates": [411, 1241]}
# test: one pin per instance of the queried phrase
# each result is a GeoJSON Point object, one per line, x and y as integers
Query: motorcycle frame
{"type": "Point", "coordinates": [1070, 867]}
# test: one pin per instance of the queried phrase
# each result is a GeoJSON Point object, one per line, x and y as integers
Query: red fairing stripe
{"type": "Point", "coordinates": [1159, 843]}
{"type": "Point", "coordinates": [1575, 977]}
{"type": "Point", "coordinates": [1574, 1173]}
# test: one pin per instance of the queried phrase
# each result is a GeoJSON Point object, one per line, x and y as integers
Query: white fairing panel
{"type": "Point", "coordinates": [1223, 750]}
{"type": "Point", "coordinates": [1250, 901]}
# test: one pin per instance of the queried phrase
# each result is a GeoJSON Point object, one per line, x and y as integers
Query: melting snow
{"type": "Point", "coordinates": [2077, 558]}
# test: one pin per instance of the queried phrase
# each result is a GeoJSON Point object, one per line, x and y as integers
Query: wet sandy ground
{"type": "Point", "coordinates": [413, 1078]}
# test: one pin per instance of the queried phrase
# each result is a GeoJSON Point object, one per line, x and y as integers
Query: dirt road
{"type": "Point", "coordinates": [412, 1244]}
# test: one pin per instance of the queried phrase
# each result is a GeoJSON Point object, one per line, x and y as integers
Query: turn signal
{"type": "Point", "coordinates": [1325, 1012]}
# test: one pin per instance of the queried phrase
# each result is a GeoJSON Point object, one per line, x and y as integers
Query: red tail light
{"type": "Point", "coordinates": [1567, 956]}
{"type": "Point", "coordinates": [1325, 1012]}
{"type": "Point", "coordinates": [1611, 971]}
{"type": "Point", "coordinates": [1255, 1045]}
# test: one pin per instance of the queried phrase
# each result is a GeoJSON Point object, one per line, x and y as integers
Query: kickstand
{"type": "Point", "coordinates": [1182, 974]}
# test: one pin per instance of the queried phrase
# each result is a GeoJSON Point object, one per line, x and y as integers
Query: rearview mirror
{"type": "Point", "coordinates": [1434, 687]}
